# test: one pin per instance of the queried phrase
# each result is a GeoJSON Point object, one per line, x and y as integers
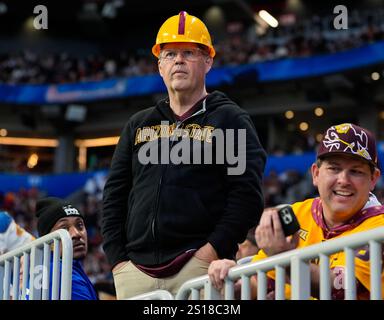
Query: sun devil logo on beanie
{"type": "Point", "coordinates": [70, 211]}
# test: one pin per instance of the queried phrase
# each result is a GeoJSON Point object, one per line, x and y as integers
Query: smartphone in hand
{"type": "Point", "coordinates": [288, 219]}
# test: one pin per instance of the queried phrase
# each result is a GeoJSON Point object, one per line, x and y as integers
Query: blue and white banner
{"type": "Point", "coordinates": [276, 70]}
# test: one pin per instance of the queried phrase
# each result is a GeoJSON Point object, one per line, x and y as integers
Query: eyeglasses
{"type": "Point", "coordinates": [192, 55]}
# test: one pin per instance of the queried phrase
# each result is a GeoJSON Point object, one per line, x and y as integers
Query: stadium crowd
{"type": "Point", "coordinates": [241, 46]}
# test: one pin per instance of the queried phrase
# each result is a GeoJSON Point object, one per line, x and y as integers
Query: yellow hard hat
{"type": "Point", "coordinates": [183, 28]}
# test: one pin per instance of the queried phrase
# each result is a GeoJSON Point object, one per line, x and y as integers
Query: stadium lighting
{"type": "Point", "coordinates": [3, 132]}
{"type": "Point", "coordinates": [82, 159]}
{"type": "Point", "coordinates": [268, 18]}
{"type": "Point", "coordinates": [289, 114]}
{"type": "Point", "coordinates": [375, 76]}
{"type": "Point", "coordinates": [303, 126]}
{"type": "Point", "coordinates": [32, 160]}
{"type": "Point", "coordinates": [28, 25]}
{"type": "Point", "coordinates": [97, 142]}
{"type": "Point", "coordinates": [319, 111]}
{"type": "Point", "coordinates": [29, 142]}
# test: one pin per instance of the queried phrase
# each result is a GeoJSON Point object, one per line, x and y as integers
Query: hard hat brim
{"type": "Point", "coordinates": [156, 48]}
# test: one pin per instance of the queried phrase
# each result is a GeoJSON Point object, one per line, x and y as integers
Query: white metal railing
{"type": "Point", "coordinates": [244, 260]}
{"type": "Point", "coordinates": [154, 295]}
{"type": "Point", "coordinates": [298, 260]}
{"type": "Point", "coordinates": [32, 263]}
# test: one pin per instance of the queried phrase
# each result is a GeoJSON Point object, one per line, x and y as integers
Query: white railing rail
{"type": "Point", "coordinates": [298, 260]}
{"type": "Point", "coordinates": [35, 260]}
{"type": "Point", "coordinates": [154, 295]}
{"type": "Point", "coordinates": [244, 260]}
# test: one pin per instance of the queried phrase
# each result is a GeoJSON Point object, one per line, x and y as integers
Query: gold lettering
{"type": "Point", "coordinates": [164, 131]}
{"type": "Point", "coordinates": [172, 129]}
{"type": "Point", "coordinates": [198, 134]}
{"type": "Point", "coordinates": [138, 137]}
{"type": "Point", "coordinates": [154, 132]}
{"type": "Point", "coordinates": [303, 234]}
{"type": "Point", "coordinates": [145, 134]}
{"type": "Point", "coordinates": [192, 129]}
{"type": "Point", "coordinates": [207, 134]}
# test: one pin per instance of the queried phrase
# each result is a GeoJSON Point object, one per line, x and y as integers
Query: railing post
{"type": "Point", "coordinates": [1, 282]}
{"type": "Point", "coordinates": [280, 283]}
{"type": "Point", "coordinates": [300, 279]}
{"type": "Point", "coordinates": [55, 270]}
{"type": "Point", "coordinates": [36, 274]}
{"type": "Point", "coordinates": [229, 288]}
{"type": "Point", "coordinates": [7, 279]}
{"type": "Point", "coordinates": [15, 281]}
{"type": "Point", "coordinates": [261, 285]}
{"type": "Point", "coordinates": [325, 279]}
{"type": "Point", "coordinates": [245, 288]}
{"type": "Point", "coordinates": [46, 271]}
{"type": "Point", "coordinates": [66, 270]}
{"type": "Point", "coordinates": [195, 294]}
{"type": "Point", "coordinates": [210, 293]}
{"type": "Point", "coordinates": [375, 269]}
{"type": "Point", "coordinates": [350, 280]}
{"type": "Point", "coordinates": [26, 263]}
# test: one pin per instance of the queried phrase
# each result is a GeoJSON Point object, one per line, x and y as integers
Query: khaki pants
{"type": "Point", "coordinates": [130, 281]}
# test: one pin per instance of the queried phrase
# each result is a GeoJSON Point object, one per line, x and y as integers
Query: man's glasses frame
{"type": "Point", "coordinates": [190, 54]}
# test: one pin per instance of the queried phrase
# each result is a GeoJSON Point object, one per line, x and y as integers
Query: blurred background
{"type": "Point", "coordinates": [67, 90]}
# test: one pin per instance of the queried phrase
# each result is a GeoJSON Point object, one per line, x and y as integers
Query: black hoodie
{"type": "Point", "coordinates": [154, 212]}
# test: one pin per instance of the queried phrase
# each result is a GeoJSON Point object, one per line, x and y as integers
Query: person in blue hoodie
{"type": "Point", "coordinates": [53, 214]}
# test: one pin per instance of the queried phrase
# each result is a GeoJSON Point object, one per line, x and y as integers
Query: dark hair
{"type": "Point", "coordinates": [204, 48]}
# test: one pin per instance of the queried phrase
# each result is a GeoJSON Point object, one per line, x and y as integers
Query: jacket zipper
{"type": "Point", "coordinates": [153, 223]}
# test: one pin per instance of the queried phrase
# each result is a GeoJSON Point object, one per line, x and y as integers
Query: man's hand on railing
{"type": "Point", "coordinates": [270, 236]}
{"type": "Point", "coordinates": [218, 270]}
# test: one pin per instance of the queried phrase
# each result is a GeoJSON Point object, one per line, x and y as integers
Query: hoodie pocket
{"type": "Point", "coordinates": [138, 221]}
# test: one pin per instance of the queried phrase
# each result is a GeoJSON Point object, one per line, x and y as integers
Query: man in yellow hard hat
{"type": "Point", "coordinates": [185, 180]}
